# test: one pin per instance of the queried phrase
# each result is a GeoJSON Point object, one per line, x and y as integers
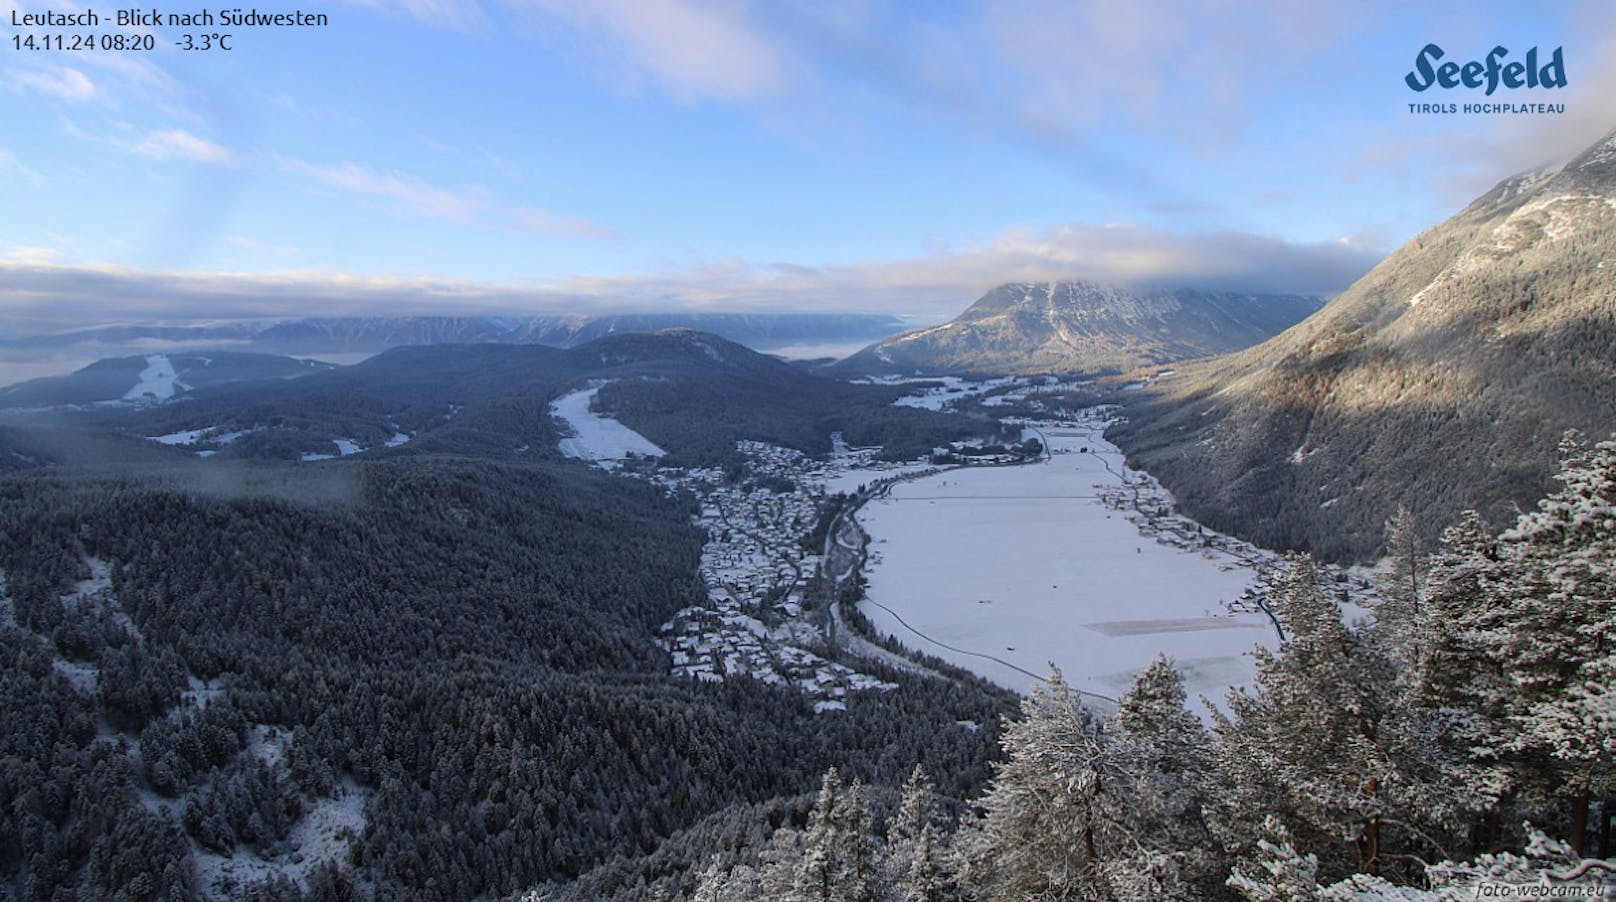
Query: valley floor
{"type": "Point", "coordinates": [1074, 561]}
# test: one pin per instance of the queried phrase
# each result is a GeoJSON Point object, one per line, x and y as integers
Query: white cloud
{"type": "Point", "coordinates": [173, 143]}
{"type": "Point", "coordinates": [32, 256]}
{"type": "Point", "coordinates": [943, 282]}
{"type": "Point", "coordinates": [694, 50]}
{"type": "Point", "coordinates": [61, 82]}
{"type": "Point", "coordinates": [15, 168]}
{"type": "Point", "coordinates": [939, 284]}
{"type": "Point", "coordinates": [408, 195]}
{"type": "Point", "coordinates": [528, 219]}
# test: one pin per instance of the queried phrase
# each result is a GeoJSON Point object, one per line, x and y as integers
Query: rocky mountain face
{"type": "Point", "coordinates": [1441, 380]}
{"type": "Point", "coordinates": [1082, 327]}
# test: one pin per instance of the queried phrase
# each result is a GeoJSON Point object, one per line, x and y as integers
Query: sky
{"type": "Point", "coordinates": [526, 156]}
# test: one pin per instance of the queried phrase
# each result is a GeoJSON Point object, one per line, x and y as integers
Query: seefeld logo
{"type": "Point", "coordinates": [1491, 73]}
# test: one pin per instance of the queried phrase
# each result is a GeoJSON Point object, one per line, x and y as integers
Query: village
{"type": "Point", "coordinates": [756, 569]}
{"type": "Point", "coordinates": [762, 618]}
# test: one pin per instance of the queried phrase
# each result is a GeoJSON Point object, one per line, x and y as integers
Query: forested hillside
{"type": "Point", "coordinates": [204, 656]}
{"type": "Point", "coordinates": [1440, 381]}
{"type": "Point", "coordinates": [692, 393]}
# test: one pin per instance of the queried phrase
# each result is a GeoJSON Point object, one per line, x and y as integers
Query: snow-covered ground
{"type": "Point", "coordinates": [600, 439]}
{"type": "Point", "coordinates": [187, 437]}
{"type": "Point", "coordinates": [846, 480]}
{"type": "Point", "coordinates": [326, 831]}
{"type": "Point", "coordinates": [954, 388]}
{"type": "Point", "coordinates": [1016, 567]}
{"type": "Point", "coordinates": [157, 381]}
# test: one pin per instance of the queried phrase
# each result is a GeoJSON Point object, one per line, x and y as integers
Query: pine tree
{"type": "Point", "coordinates": [1314, 741]}
{"type": "Point", "coordinates": [817, 870]}
{"type": "Point", "coordinates": [1043, 829]}
{"type": "Point", "coordinates": [838, 858]}
{"type": "Point", "coordinates": [1153, 711]}
{"type": "Point", "coordinates": [1455, 690]}
{"type": "Point", "coordinates": [915, 850]}
{"type": "Point", "coordinates": [859, 875]}
{"type": "Point", "coordinates": [1163, 750]}
{"type": "Point", "coordinates": [926, 879]}
{"type": "Point", "coordinates": [1279, 872]}
{"type": "Point", "coordinates": [1402, 586]}
{"type": "Point", "coordinates": [1562, 627]}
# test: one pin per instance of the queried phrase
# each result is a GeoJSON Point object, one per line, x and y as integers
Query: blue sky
{"type": "Point", "coordinates": [475, 156]}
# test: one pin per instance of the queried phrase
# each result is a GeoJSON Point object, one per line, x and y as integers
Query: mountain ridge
{"type": "Point", "coordinates": [1078, 326]}
{"type": "Point", "coordinates": [1442, 380]}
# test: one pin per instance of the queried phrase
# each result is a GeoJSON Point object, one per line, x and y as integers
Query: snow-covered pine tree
{"type": "Point", "coordinates": [718, 883]}
{"type": "Point", "coordinates": [1163, 749]}
{"type": "Point", "coordinates": [1561, 627]}
{"type": "Point", "coordinates": [818, 869]}
{"type": "Point", "coordinates": [859, 876]}
{"type": "Point", "coordinates": [1042, 832]}
{"type": "Point", "coordinates": [1401, 586]}
{"type": "Point", "coordinates": [1455, 690]}
{"type": "Point", "coordinates": [1313, 741]}
{"type": "Point", "coordinates": [1153, 712]}
{"type": "Point", "coordinates": [917, 858]}
{"type": "Point", "coordinates": [1453, 667]}
{"type": "Point", "coordinates": [918, 807]}
{"type": "Point", "coordinates": [928, 878]}
{"type": "Point", "coordinates": [1277, 872]}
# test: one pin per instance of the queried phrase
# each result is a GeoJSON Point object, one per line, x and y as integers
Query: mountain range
{"type": "Point", "coordinates": [372, 334]}
{"type": "Point", "coordinates": [1083, 327]}
{"type": "Point", "coordinates": [1441, 380]}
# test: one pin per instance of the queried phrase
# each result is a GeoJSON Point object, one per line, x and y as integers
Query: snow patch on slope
{"type": "Point", "coordinates": [158, 381]}
{"type": "Point", "coordinates": [597, 438]}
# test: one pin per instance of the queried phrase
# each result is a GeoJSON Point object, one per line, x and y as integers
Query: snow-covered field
{"type": "Point", "coordinates": [952, 389]}
{"type": "Point", "coordinates": [600, 439]}
{"type": "Point", "coordinates": [1015, 567]}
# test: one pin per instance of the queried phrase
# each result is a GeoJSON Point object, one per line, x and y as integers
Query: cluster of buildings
{"type": "Point", "coordinates": [756, 621]}
{"type": "Point", "coordinates": [1150, 507]}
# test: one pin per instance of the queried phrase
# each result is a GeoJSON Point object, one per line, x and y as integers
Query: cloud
{"type": "Point", "coordinates": [61, 82]}
{"type": "Point", "coordinates": [38, 296]}
{"type": "Point", "coordinates": [173, 143]}
{"type": "Point", "coordinates": [943, 282]}
{"type": "Point", "coordinates": [693, 50]}
{"type": "Point", "coordinates": [408, 195]}
{"type": "Point", "coordinates": [538, 222]}
{"type": "Point", "coordinates": [15, 168]}
{"type": "Point", "coordinates": [32, 256]}
{"type": "Point", "coordinates": [1180, 68]}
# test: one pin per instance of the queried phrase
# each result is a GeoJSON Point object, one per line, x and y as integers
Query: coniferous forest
{"type": "Point", "coordinates": [466, 647]}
